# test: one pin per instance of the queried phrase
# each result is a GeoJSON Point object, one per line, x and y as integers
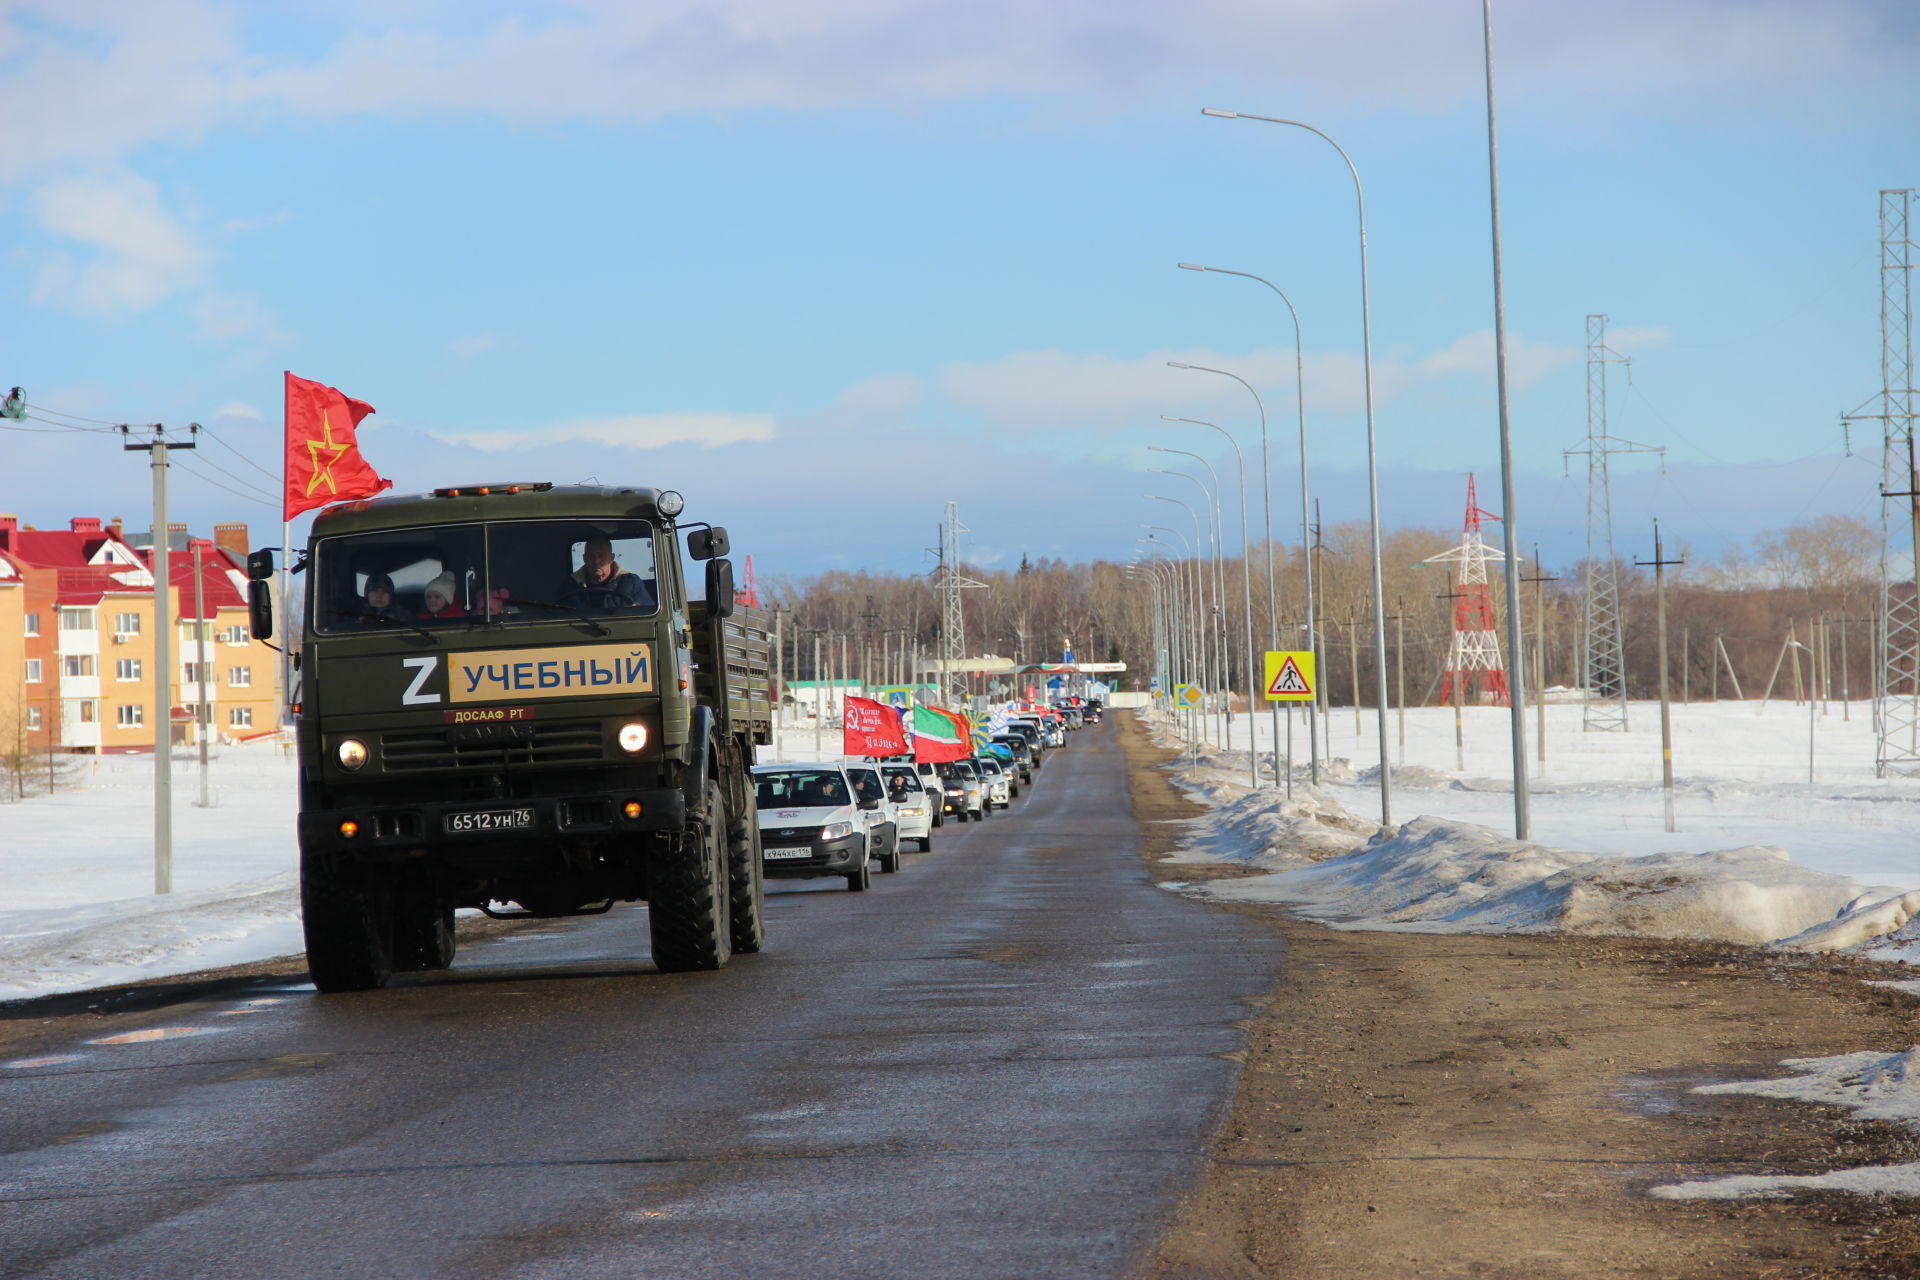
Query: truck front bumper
{"type": "Point", "coordinates": [392, 831]}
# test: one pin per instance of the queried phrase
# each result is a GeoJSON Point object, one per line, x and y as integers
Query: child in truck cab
{"type": "Point", "coordinates": [441, 600]}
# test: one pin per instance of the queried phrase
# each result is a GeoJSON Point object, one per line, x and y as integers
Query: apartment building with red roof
{"type": "Point", "coordinates": [82, 679]}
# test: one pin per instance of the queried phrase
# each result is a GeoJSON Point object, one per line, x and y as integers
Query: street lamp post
{"type": "Point", "coordinates": [1266, 507]}
{"type": "Point", "coordinates": [1246, 591]}
{"type": "Point", "coordinates": [1306, 516]}
{"type": "Point", "coordinates": [1373, 469]}
{"type": "Point", "coordinates": [1202, 656]}
{"type": "Point", "coordinates": [1221, 663]}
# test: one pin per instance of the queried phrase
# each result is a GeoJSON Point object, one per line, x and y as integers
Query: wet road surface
{"type": "Point", "coordinates": [1004, 1060]}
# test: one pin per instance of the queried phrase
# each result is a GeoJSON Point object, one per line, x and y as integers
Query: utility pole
{"type": "Point", "coordinates": [156, 449]}
{"type": "Point", "coordinates": [1659, 566]}
{"type": "Point", "coordinates": [1605, 682]}
{"type": "Point", "coordinates": [1540, 579]}
{"type": "Point", "coordinates": [203, 719]}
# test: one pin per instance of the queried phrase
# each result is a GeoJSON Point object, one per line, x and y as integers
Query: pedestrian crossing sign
{"type": "Point", "coordinates": [1289, 676]}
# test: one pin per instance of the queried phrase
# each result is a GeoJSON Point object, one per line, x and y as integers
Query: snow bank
{"type": "Point", "coordinates": [1860, 923]}
{"type": "Point", "coordinates": [1442, 876]}
{"type": "Point", "coordinates": [135, 939]}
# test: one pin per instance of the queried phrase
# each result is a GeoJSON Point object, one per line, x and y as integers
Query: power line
{"type": "Point", "coordinates": [246, 497]}
{"type": "Point", "coordinates": [239, 480]}
{"type": "Point", "coordinates": [243, 457]}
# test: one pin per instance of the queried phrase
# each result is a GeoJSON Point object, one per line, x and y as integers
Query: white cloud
{"type": "Point", "coordinates": [239, 409]}
{"type": "Point", "coordinates": [1527, 361]}
{"type": "Point", "coordinates": [236, 317]}
{"type": "Point", "coordinates": [466, 348]}
{"type": "Point", "coordinates": [1626, 339]}
{"type": "Point", "coordinates": [140, 255]}
{"type": "Point", "coordinates": [91, 82]}
{"type": "Point", "coordinates": [632, 431]}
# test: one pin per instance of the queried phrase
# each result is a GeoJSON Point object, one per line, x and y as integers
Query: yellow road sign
{"type": "Point", "coordinates": [1187, 695]}
{"type": "Point", "coordinates": [1289, 675]}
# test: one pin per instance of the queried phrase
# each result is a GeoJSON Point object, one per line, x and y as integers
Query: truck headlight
{"type": "Point", "coordinates": [352, 753]}
{"type": "Point", "coordinates": [633, 736]}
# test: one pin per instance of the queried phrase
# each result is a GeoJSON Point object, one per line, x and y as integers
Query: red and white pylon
{"type": "Point", "coordinates": [1474, 657]}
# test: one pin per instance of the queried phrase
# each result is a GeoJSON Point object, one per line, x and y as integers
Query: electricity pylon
{"type": "Point", "coordinates": [953, 621]}
{"type": "Point", "coordinates": [1896, 690]}
{"type": "Point", "coordinates": [1604, 674]}
{"type": "Point", "coordinates": [1474, 657]}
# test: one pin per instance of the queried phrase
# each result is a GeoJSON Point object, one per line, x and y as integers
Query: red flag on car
{"type": "Point", "coordinates": [872, 729]}
{"type": "Point", "coordinates": [324, 463]}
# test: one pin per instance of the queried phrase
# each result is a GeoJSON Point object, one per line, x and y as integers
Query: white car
{"type": "Point", "coordinates": [915, 809]}
{"type": "Point", "coordinates": [883, 819]}
{"type": "Point", "coordinates": [810, 823]}
{"type": "Point", "coordinates": [999, 789]}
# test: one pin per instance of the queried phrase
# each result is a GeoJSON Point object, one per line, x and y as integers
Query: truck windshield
{"type": "Point", "coordinates": [508, 571]}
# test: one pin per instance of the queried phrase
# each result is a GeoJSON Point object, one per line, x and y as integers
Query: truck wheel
{"type": "Point", "coordinates": [858, 881]}
{"type": "Point", "coordinates": [422, 934]}
{"type": "Point", "coordinates": [687, 895]}
{"type": "Point", "coordinates": [747, 914]}
{"type": "Point", "coordinates": [348, 924]}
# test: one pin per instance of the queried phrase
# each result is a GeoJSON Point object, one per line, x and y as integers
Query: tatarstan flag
{"type": "Point", "coordinates": [938, 736]}
{"type": "Point", "coordinates": [324, 464]}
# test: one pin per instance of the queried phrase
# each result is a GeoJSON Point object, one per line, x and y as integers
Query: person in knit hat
{"type": "Point", "coordinates": [442, 599]}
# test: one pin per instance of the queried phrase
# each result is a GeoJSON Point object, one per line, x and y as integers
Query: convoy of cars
{"type": "Point", "coordinates": [845, 818]}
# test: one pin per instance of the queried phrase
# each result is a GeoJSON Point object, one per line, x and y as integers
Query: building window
{"type": "Point", "coordinates": [237, 633]}
{"type": "Point", "coordinates": [127, 669]}
{"type": "Point", "coordinates": [240, 717]}
{"type": "Point", "coordinates": [126, 624]}
{"type": "Point", "coordinates": [76, 619]}
{"type": "Point", "coordinates": [88, 712]}
{"type": "Point", "coordinates": [131, 717]}
{"type": "Point", "coordinates": [33, 671]}
{"type": "Point", "coordinates": [33, 717]}
{"type": "Point", "coordinates": [196, 672]}
{"type": "Point", "coordinates": [77, 664]}
{"type": "Point", "coordinates": [240, 677]}
{"type": "Point", "coordinates": [33, 624]}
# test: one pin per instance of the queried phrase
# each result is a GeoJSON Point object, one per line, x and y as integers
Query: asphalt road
{"type": "Point", "coordinates": [1004, 1060]}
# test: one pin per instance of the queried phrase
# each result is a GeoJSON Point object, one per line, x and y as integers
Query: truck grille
{"type": "Point", "coordinates": [556, 744]}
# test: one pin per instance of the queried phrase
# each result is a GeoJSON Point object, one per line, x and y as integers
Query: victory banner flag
{"type": "Point", "coordinates": [872, 729]}
{"type": "Point", "coordinates": [324, 463]}
{"type": "Point", "coordinates": [937, 737]}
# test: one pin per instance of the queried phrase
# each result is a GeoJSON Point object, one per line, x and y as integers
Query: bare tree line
{"type": "Point", "coordinates": [1727, 619]}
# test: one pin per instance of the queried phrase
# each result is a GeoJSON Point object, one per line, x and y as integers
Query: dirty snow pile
{"type": "Point", "coordinates": [1874, 1086]}
{"type": "Point", "coordinates": [1446, 875]}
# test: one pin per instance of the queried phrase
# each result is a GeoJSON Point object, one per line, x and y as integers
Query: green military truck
{"type": "Point", "coordinates": [508, 700]}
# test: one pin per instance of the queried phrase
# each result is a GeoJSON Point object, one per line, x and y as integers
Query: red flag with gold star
{"type": "Point", "coordinates": [324, 464]}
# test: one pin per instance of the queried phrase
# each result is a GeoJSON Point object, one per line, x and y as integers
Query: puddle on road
{"type": "Point", "coordinates": [151, 1034]}
{"type": "Point", "coordinates": [53, 1061]}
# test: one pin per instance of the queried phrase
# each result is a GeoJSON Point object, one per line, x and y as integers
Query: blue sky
{"type": "Point", "coordinates": [825, 267]}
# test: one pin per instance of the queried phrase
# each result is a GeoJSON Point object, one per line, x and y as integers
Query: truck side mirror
{"type": "Point", "coordinates": [260, 564]}
{"type": "Point", "coordinates": [719, 588]}
{"type": "Point", "coordinates": [707, 543]}
{"type": "Point", "coordinates": [260, 602]}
